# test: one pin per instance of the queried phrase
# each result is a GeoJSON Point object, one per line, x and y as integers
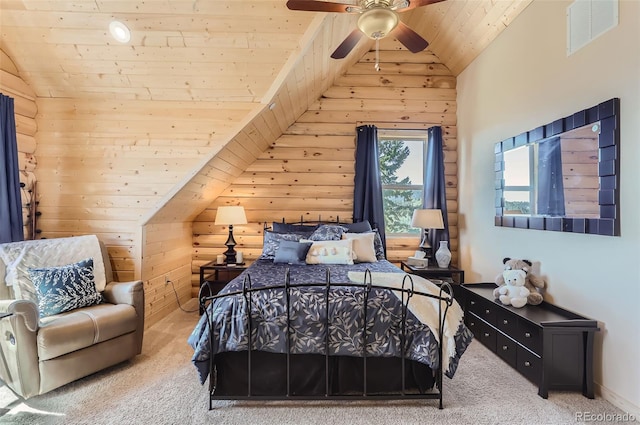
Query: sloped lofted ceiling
{"type": "Point", "coordinates": [238, 56]}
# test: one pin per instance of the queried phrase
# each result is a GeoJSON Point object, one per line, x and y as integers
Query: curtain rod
{"type": "Point", "coordinates": [404, 125]}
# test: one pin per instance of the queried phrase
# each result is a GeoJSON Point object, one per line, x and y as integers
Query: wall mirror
{"type": "Point", "coordinates": [562, 176]}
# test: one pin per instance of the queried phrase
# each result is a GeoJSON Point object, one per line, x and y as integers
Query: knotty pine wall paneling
{"type": "Point", "coordinates": [166, 268]}
{"type": "Point", "coordinates": [104, 164]}
{"type": "Point", "coordinates": [308, 172]}
{"type": "Point", "coordinates": [25, 110]}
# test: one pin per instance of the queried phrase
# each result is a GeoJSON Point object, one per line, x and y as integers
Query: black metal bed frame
{"type": "Point", "coordinates": [445, 294]}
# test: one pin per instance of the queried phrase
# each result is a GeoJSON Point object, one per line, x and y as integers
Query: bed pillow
{"type": "Point", "coordinates": [272, 240]}
{"type": "Point", "coordinates": [292, 252]}
{"type": "Point", "coordinates": [377, 245]}
{"type": "Point", "coordinates": [359, 227]}
{"type": "Point", "coordinates": [363, 247]}
{"type": "Point", "coordinates": [293, 228]}
{"type": "Point", "coordinates": [65, 288]}
{"type": "Point", "coordinates": [328, 232]}
{"type": "Point", "coordinates": [331, 252]}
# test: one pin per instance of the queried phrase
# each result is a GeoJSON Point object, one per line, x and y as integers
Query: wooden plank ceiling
{"type": "Point", "coordinates": [238, 56]}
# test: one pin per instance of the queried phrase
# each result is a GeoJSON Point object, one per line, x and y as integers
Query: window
{"type": "Point", "coordinates": [518, 175]}
{"type": "Point", "coordinates": [402, 158]}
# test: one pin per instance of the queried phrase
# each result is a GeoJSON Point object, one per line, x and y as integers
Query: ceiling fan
{"type": "Point", "coordinates": [378, 18]}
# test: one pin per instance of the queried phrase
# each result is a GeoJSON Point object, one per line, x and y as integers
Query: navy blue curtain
{"type": "Point", "coordinates": [11, 229]}
{"type": "Point", "coordinates": [435, 185]}
{"type": "Point", "coordinates": [550, 185]}
{"type": "Point", "coordinates": [367, 196]}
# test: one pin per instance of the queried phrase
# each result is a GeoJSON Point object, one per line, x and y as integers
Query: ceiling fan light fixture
{"type": "Point", "coordinates": [378, 22]}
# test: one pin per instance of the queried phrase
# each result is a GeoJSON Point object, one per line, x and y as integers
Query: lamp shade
{"type": "Point", "coordinates": [233, 214]}
{"type": "Point", "coordinates": [427, 219]}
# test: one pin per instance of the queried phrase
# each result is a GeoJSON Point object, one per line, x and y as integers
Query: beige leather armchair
{"type": "Point", "coordinates": [39, 354]}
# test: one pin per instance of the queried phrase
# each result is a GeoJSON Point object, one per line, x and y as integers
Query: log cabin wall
{"type": "Point", "coordinates": [308, 172]}
{"type": "Point", "coordinates": [166, 267]}
{"type": "Point", "coordinates": [25, 109]}
{"type": "Point", "coordinates": [104, 164]}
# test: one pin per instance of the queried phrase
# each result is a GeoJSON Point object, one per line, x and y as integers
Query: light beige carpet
{"type": "Point", "coordinates": [161, 387]}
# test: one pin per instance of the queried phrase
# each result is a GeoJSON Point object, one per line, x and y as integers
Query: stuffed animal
{"type": "Point", "coordinates": [532, 282]}
{"type": "Point", "coordinates": [513, 292]}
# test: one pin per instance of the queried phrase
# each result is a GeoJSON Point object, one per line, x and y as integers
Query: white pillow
{"type": "Point", "coordinates": [364, 250]}
{"type": "Point", "coordinates": [330, 252]}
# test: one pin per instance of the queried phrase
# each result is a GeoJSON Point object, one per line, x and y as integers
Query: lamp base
{"type": "Point", "coordinates": [425, 246]}
{"type": "Point", "coordinates": [230, 253]}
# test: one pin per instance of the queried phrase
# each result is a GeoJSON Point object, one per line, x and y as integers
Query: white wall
{"type": "Point", "coordinates": [524, 79]}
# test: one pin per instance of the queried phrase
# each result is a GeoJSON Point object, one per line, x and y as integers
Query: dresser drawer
{"type": "Point", "coordinates": [506, 322]}
{"type": "Point", "coordinates": [474, 324]}
{"type": "Point", "coordinates": [483, 309]}
{"type": "Point", "coordinates": [529, 335]}
{"type": "Point", "coordinates": [529, 365]}
{"type": "Point", "coordinates": [506, 348]}
{"type": "Point", "coordinates": [488, 336]}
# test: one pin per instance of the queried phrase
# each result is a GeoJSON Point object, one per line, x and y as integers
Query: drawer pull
{"type": "Point", "coordinates": [527, 364]}
{"type": "Point", "coordinates": [505, 321]}
{"type": "Point", "coordinates": [486, 334]}
{"type": "Point", "coordinates": [505, 348]}
{"type": "Point", "coordinates": [527, 335]}
{"type": "Point", "coordinates": [472, 324]}
{"type": "Point", "coordinates": [487, 311]}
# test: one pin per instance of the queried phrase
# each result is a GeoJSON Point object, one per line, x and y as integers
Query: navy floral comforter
{"type": "Point", "coordinates": [308, 312]}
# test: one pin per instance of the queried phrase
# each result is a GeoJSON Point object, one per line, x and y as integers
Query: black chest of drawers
{"type": "Point", "coordinates": [550, 346]}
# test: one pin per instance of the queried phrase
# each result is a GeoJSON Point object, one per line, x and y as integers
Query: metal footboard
{"type": "Point", "coordinates": [445, 294]}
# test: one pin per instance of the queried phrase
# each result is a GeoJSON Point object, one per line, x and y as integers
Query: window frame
{"type": "Point", "coordinates": [386, 134]}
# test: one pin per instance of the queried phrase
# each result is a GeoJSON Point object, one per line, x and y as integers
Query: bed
{"type": "Point", "coordinates": [307, 330]}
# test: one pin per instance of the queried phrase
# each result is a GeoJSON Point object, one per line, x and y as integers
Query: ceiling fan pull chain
{"type": "Point", "coordinates": [377, 66]}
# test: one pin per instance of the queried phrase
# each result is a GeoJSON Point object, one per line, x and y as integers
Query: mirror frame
{"type": "Point", "coordinates": [608, 113]}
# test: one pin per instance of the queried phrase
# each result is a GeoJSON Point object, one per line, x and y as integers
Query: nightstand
{"type": "Point", "coordinates": [217, 276]}
{"type": "Point", "coordinates": [451, 274]}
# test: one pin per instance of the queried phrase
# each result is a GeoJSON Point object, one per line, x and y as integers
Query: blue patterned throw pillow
{"type": "Point", "coordinates": [377, 245]}
{"type": "Point", "coordinates": [272, 240]}
{"type": "Point", "coordinates": [65, 288]}
{"type": "Point", "coordinates": [328, 232]}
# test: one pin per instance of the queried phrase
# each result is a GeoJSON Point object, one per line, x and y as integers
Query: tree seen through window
{"type": "Point", "coordinates": [402, 175]}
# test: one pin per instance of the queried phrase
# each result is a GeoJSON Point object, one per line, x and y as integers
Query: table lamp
{"type": "Point", "coordinates": [427, 219]}
{"type": "Point", "coordinates": [230, 215]}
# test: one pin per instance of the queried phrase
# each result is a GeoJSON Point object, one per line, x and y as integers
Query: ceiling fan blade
{"type": "Point", "coordinates": [417, 3]}
{"type": "Point", "coordinates": [319, 6]}
{"type": "Point", "coordinates": [348, 44]}
{"type": "Point", "coordinates": [411, 39]}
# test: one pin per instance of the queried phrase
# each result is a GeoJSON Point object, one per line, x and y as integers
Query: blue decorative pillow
{"type": "Point", "coordinates": [359, 227]}
{"type": "Point", "coordinates": [328, 232]}
{"type": "Point", "coordinates": [272, 241]}
{"type": "Point", "coordinates": [291, 252]}
{"type": "Point", "coordinates": [65, 288]}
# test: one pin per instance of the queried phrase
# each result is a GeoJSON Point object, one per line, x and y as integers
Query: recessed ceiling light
{"type": "Point", "coordinates": [120, 31]}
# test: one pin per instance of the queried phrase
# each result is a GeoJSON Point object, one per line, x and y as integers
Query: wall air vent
{"type": "Point", "coordinates": [588, 19]}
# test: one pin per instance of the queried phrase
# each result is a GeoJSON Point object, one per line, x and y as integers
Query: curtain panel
{"type": "Point", "coordinates": [550, 184]}
{"type": "Point", "coordinates": [367, 196]}
{"type": "Point", "coordinates": [11, 226]}
{"type": "Point", "coordinates": [435, 185]}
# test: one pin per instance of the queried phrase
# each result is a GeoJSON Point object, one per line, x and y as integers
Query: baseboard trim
{"type": "Point", "coordinates": [618, 401]}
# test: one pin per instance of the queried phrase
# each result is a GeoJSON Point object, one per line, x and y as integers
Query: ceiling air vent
{"type": "Point", "coordinates": [588, 19]}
